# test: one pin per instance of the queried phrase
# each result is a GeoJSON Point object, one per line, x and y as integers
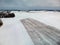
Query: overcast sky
{"type": "Point", "coordinates": [29, 4]}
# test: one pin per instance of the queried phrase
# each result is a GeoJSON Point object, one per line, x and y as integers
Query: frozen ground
{"type": "Point", "coordinates": [13, 32]}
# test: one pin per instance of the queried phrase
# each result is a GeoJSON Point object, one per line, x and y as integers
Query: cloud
{"type": "Point", "coordinates": [29, 3]}
{"type": "Point", "coordinates": [43, 3]}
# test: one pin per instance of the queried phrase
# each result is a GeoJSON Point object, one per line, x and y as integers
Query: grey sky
{"type": "Point", "coordinates": [21, 4]}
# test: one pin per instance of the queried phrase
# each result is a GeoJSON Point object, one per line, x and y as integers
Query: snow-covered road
{"type": "Point", "coordinates": [48, 17]}
{"type": "Point", "coordinates": [13, 32]}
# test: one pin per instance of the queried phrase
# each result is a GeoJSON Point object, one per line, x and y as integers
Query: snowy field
{"type": "Point", "coordinates": [13, 32]}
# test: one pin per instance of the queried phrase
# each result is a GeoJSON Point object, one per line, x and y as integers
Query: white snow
{"type": "Point", "coordinates": [13, 32]}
